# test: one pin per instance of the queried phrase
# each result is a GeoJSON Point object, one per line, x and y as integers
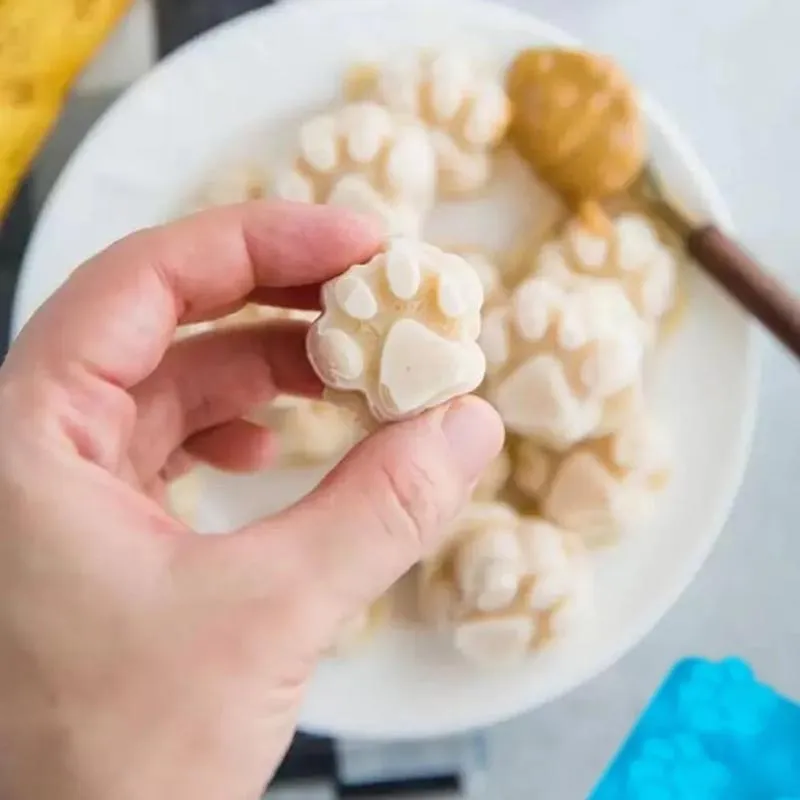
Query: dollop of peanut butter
{"type": "Point", "coordinates": [576, 122]}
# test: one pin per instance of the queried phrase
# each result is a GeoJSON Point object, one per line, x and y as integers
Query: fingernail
{"type": "Point", "coordinates": [475, 434]}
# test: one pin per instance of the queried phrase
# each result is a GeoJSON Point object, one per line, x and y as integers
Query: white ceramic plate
{"type": "Point", "coordinates": [223, 89]}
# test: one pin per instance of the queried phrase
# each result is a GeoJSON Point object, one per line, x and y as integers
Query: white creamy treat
{"type": "Point", "coordinates": [603, 488]}
{"type": "Point", "coordinates": [629, 252]}
{"type": "Point", "coordinates": [561, 362]}
{"type": "Point", "coordinates": [364, 158]}
{"type": "Point", "coordinates": [460, 100]}
{"type": "Point", "coordinates": [399, 332]}
{"type": "Point", "coordinates": [502, 585]}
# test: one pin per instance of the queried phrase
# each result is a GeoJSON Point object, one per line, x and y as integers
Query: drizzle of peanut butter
{"type": "Point", "coordinates": [576, 122]}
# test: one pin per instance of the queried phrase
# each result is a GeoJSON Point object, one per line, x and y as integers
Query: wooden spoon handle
{"type": "Point", "coordinates": [765, 297]}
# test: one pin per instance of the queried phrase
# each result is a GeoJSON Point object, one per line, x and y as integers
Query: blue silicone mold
{"type": "Point", "coordinates": [712, 732]}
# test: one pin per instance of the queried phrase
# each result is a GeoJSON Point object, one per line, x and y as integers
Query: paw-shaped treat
{"type": "Point", "coordinates": [576, 120]}
{"type": "Point", "coordinates": [234, 184]}
{"type": "Point", "coordinates": [561, 360]}
{"type": "Point", "coordinates": [364, 158]}
{"type": "Point", "coordinates": [627, 249]}
{"type": "Point", "coordinates": [600, 488]}
{"type": "Point", "coordinates": [399, 332]}
{"type": "Point", "coordinates": [503, 585]}
{"type": "Point", "coordinates": [676, 768]}
{"type": "Point", "coordinates": [463, 105]}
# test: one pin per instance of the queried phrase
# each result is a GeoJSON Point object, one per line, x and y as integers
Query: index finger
{"type": "Point", "coordinates": [117, 313]}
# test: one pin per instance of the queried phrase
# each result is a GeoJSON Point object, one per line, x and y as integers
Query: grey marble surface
{"type": "Point", "coordinates": [727, 73]}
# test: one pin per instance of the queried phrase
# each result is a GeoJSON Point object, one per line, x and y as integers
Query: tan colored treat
{"type": "Point", "coordinates": [503, 585]}
{"type": "Point", "coordinates": [494, 478]}
{"type": "Point", "coordinates": [627, 250]}
{"type": "Point", "coordinates": [363, 158]}
{"type": "Point", "coordinates": [463, 105]}
{"type": "Point", "coordinates": [576, 121]}
{"type": "Point", "coordinates": [399, 332]}
{"type": "Point", "coordinates": [562, 363]}
{"type": "Point", "coordinates": [601, 489]}
{"type": "Point", "coordinates": [234, 184]}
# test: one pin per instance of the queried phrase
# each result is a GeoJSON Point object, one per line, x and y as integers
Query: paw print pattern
{"type": "Point", "coordinates": [399, 332]}
{"type": "Point", "coordinates": [676, 768]}
{"type": "Point", "coordinates": [725, 698]}
{"type": "Point", "coordinates": [502, 585]}
{"type": "Point", "coordinates": [363, 158]}
{"type": "Point", "coordinates": [628, 250]}
{"type": "Point", "coordinates": [561, 361]}
{"type": "Point", "coordinates": [601, 488]}
{"type": "Point", "coordinates": [463, 105]}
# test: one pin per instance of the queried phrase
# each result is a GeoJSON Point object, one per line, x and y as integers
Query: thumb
{"type": "Point", "coordinates": [383, 506]}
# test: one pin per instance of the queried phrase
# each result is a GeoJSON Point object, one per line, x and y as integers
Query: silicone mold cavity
{"type": "Point", "coordinates": [713, 731]}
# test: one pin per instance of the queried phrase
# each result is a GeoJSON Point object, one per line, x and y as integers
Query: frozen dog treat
{"type": "Point", "coordinates": [600, 489]}
{"type": "Point", "coordinates": [560, 360]}
{"type": "Point", "coordinates": [364, 158]}
{"type": "Point", "coordinates": [503, 585]}
{"type": "Point", "coordinates": [462, 104]}
{"type": "Point", "coordinates": [399, 332]}
{"type": "Point", "coordinates": [628, 250]}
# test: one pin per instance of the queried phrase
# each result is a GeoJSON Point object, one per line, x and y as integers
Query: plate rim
{"type": "Point", "coordinates": [706, 188]}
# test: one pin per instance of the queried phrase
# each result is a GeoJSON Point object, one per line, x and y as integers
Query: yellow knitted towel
{"type": "Point", "coordinates": [44, 44]}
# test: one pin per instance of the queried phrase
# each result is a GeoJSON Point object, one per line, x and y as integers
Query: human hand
{"type": "Point", "coordinates": [138, 660]}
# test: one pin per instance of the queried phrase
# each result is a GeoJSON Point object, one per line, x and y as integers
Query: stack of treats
{"type": "Point", "coordinates": [558, 333]}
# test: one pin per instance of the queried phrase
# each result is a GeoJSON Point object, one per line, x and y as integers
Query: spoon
{"type": "Point", "coordinates": [584, 100]}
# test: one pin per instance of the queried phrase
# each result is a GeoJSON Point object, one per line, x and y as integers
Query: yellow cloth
{"type": "Point", "coordinates": [44, 44]}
